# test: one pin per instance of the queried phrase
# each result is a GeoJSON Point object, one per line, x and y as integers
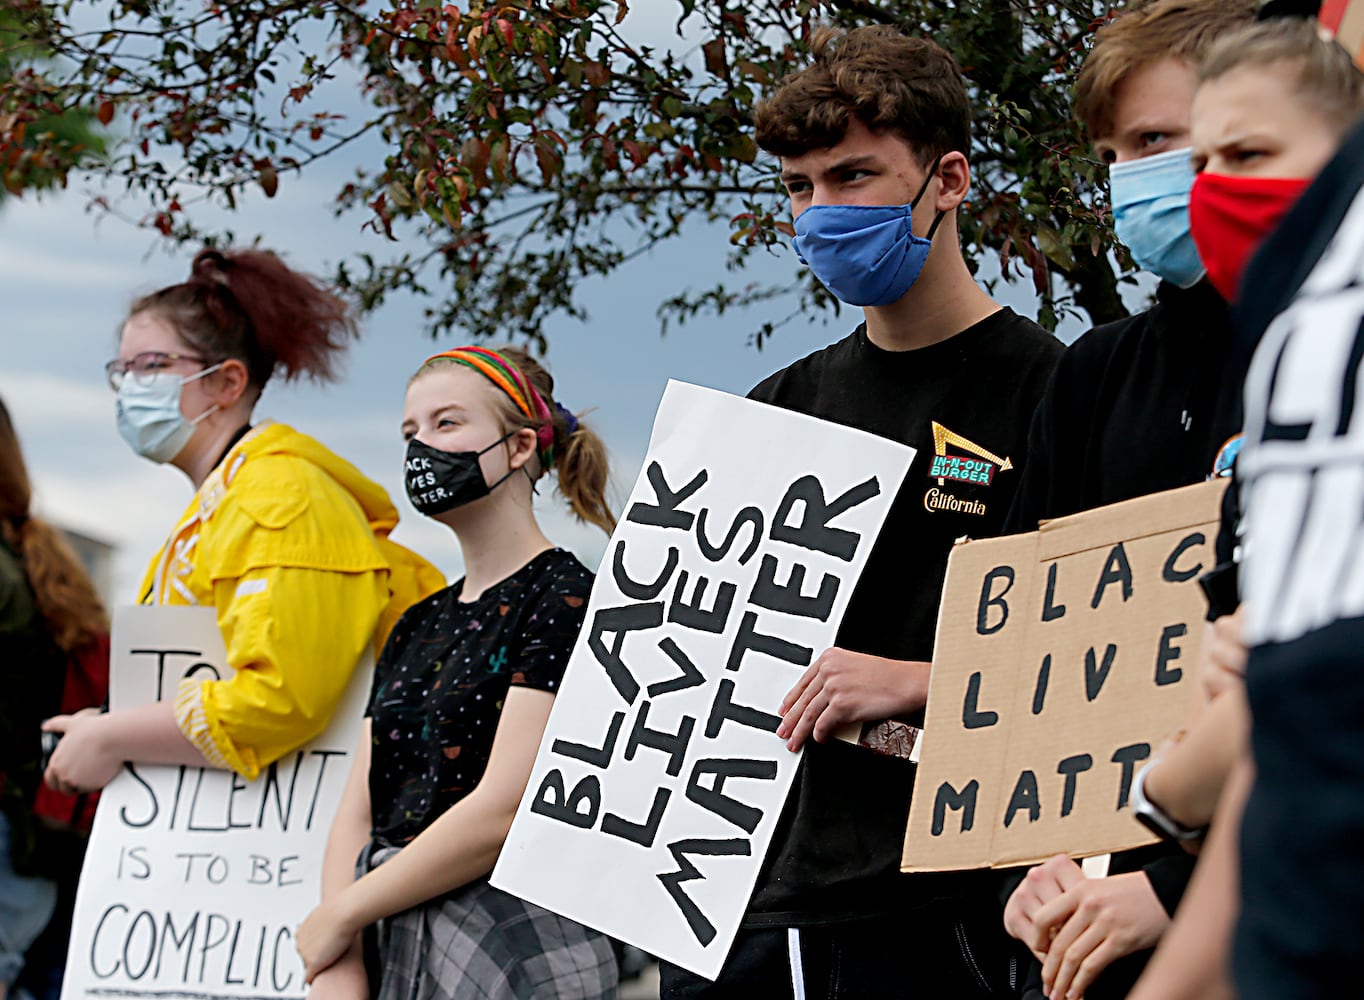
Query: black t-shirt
{"type": "Point", "coordinates": [1135, 407]}
{"type": "Point", "coordinates": [1301, 928]}
{"type": "Point", "coordinates": [442, 677]}
{"type": "Point", "coordinates": [964, 404]}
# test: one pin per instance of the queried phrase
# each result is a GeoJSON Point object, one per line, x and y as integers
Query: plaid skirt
{"type": "Point", "coordinates": [479, 943]}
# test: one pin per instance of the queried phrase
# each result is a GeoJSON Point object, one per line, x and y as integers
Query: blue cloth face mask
{"type": "Point", "coordinates": [1151, 214]}
{"type": "Point", "coordinates": [867, 255]}
{"type": "Point", "coordinates": [149, 417]}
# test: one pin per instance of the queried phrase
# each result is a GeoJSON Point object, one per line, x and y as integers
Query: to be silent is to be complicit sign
{"type": "Point", "coordinates": [660, 779]}
{"type": "Point", "coordinates": [195, 878]}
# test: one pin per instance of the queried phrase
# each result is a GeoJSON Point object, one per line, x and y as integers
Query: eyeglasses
{"type": "Point", "coordinates": [143, 367]}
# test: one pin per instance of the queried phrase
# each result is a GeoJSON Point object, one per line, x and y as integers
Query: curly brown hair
{"type": "Point", "coordinates": [250, 305]}
{"type": "Point", "coordinates": [886, 80]}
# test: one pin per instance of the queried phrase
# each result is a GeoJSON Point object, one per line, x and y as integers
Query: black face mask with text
{"type": "Point", "coordinates": [438, 481]}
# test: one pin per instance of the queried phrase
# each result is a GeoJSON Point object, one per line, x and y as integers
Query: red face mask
{"type": "Point", "coordinates": [1230, 216]}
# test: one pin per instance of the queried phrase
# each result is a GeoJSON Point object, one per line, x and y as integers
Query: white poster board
{"type": "Point", "coordinates": [659, 780]}
{"type": "Point", "coordinates": [196, 878]}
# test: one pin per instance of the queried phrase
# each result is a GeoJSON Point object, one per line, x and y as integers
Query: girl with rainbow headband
{"type": "Point", "coordinates": [461, 696]}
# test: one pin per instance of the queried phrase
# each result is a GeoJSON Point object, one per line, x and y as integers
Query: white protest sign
{"type": "Point", "coordinates": [659, 780]}
{"type": "Point", "coordinates": [195, 878]}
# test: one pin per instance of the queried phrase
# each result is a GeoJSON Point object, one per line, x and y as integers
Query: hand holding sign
{"type": "Point", "coordinates": [80, 762]}
{"type": "Point", "coordinates": [842, 687]}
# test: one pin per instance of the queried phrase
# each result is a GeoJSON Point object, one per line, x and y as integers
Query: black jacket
{"type": "Point", "coordinates": [1135, 407]}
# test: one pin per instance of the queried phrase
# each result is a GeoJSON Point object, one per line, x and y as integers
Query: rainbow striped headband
{"type": "Point", "coordinates": [507, 377]}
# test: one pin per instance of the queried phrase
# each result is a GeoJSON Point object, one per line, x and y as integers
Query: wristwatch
{"type": "Point", "coordinates": [1155, 819]}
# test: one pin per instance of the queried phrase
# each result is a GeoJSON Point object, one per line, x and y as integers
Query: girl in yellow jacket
{"type": "Point", "coordinates": [288, 542]}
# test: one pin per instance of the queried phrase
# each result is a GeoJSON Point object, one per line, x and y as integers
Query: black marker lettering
{"type": "Point", "coordinates": [749, 638]}
{"type": "Point", "coordinates": [787, 598]}
{"type": "Point", "coordinates": [1039, 693]}
{"type": "Point", "coordinates": [153, 809]}
{"type": "Point", "coordinates": [1050, 609]}
{"type": "Point", "coordinates": [185, 941]}
{"type": "Point", "coordinates": [1116, 570]}
{"type": "Point", "coordinates": [989, 599]}
{"type": "Point", "coordinates": [1024, 797]}
{"type": "Point", "coordinates": [1095, 672]}
{"type": "Point", "coordinates": [672, 744]}
{"type": "Point", "coordinates": [1166, 653]}
{"type": "Point", "coordinates": [751, 516]}
{"type": "Point", "coordinates": [596, 756]}
{"type": "Point", "coordinates": [693, 615]}
{"type": "Point", "coordinates": [151, 946]}
{"type": "Point", "coordinates": [640, 591]}
{"type": "Point", "coordinates": [949, 798]}
{"type": "Point", "coordinates": [1129, 756]}
{"type": "Point", "coordinates": [971, 716]}
{"type": "Point", "coordinates": [1071, 768]}
{"type": "Point", "coordinates": [690, 676]}
{"type": "Point", "coordinates": [742, 815]}
{"type": "Point", "coordinates": [94, 943]}
{"type": "Point", "coordinates": [552, 801]}
{"type": "Point", "coordinates": [1170, 573]}
{"type": "Point", "coordinates": [644, 833]}
{"type": "Point", "coordinates": [621, 621]}
{"type": "Point", "coordinates": [813, 531]}
{"type": "Point", "coordinates": [686, 872]}
{"type": "Point", "coordinates": [724, 710]}
{"type": "Point", "coordinates": [665, 513]}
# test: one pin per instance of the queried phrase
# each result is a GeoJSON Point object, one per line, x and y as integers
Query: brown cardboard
{"type": "Point", "coordinates": [1097, 724]}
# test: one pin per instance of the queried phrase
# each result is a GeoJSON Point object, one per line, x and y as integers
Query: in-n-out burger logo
{"type": "Point", "coordinates": [977, 467]}
{"type": "Point", "coordinates": [936, 499]}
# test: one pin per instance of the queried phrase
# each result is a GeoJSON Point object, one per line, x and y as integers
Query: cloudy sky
{"type": "Point", "coordinates": [67, 277]}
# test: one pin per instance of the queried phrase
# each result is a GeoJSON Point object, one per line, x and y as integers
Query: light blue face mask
{"type": "Point", "coordinates": [867, 255]}
{"type": "Point", "coordinates": [149, 417]}
{"type": "Point", "coordinates": [1151, 214]}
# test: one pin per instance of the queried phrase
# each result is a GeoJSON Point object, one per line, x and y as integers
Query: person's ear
{"type": "Point", "coordinates": [229, 383]}
{"type": "Point", "coordinates": [954, 176]}
{"type": "Point", "coordinates": [522, 447]}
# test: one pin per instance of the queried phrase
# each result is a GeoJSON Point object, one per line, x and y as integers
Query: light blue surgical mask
{"type": "Point", "coordinates": [867, 255]}
{"type": "Point", "coordinates": [1151, 214]}
{"type": "Point", "coordinates": [149, 417]}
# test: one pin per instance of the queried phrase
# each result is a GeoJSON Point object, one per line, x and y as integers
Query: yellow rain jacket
{"type": "Point", "coordinates": [290, 544]}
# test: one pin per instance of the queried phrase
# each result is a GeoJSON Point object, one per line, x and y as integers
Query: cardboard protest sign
{"type": "Point", "coordinates": [195, 878]}
{"type": "Point", "coordinates": [660, 779]}
{"type": "Point", "coordinates": [1063, 658]}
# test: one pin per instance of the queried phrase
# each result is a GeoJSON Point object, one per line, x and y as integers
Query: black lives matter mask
{"type": "Point", "coordinates": [438, 481]}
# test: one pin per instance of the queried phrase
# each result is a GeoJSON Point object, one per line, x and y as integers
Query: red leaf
{"type": "Point", "coordinates": [549, 162]}
{"type": "Point", "coordinates": [105, 114]}
{"type": "Point", "coordinates": [269, 180]}
{"type": "Point", "coordinates": [714, 51]}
